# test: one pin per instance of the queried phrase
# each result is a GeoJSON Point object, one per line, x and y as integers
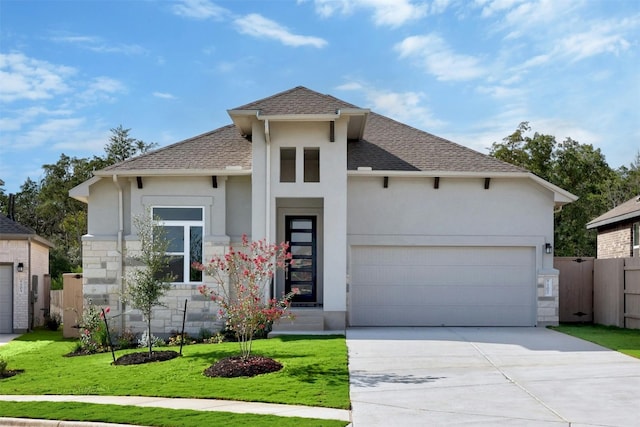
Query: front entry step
{"type": "Point", "coordinates": [306, 320]}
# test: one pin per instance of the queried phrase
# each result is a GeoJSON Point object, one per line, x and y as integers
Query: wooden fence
{"type": "Point", "coordinates": [603, 291]}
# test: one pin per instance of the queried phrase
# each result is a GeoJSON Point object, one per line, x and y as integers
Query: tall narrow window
{"type": "Point", "coordinates": [635, 246]}
{"type": "Point", "coordinates": [288, 164]}
{"type": "Point", "coordinates": [183, 228]}
{"type": "Point", "coordinates": [311, 165]}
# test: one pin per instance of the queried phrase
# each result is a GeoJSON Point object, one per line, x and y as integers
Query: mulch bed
{"type": "Point", "coordinates": [231, 367]}
{"type": "Point", "coordinates": [10, 372]}
{"type": "Point", "coordinates": [143, 357]}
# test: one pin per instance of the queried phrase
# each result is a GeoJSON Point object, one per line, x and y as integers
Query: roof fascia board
{"type": "Point", "coordinates": [173, 172]}
{"type": "Point", "coordinates": [298, 117]}
{"type": "Point", "coordinates": [81, 191]}
{"type": "Point", "coordinates": [613, 220]}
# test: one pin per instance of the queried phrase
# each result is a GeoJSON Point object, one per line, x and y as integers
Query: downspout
{"type": "Point", "coordinates": [119, 249]}
{"type": "Point", "coordinates": [267, 215]}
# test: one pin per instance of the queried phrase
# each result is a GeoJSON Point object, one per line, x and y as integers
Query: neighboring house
{"type": "Point", "coordinates": [388, 225]}
{"type": "Point", "coordinates": [618, 230]}
{"type": "Point", "coordinates": [24, 277]}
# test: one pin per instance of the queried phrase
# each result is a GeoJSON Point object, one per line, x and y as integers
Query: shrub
{"type": "Point", "coordinates": [93, 332]}
{"type": "Point", "coordinates": [155, 341]}
{"type": "Point", "coordinates": [52, 321]}
{"type": "Point", "coordinates": [3, 366]}
{"type": "Point", "coordinates": [127, 339]}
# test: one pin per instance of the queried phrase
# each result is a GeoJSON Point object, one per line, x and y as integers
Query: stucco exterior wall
{"type": "Point", "coordinates": [615, 241]}
{"type": "Point", "coordinates": [332, 189]}
{"type": "Point", "coordinates": [459, 213]}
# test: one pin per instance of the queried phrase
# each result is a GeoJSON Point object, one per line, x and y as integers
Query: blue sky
{"type": "Point", "coordinates": [469, 71]}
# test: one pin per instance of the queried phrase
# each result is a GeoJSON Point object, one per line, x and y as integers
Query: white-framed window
{"type": "Point", "coordinates": [635, 242]}
{"type": "Point", "coordinates": [184, 228]}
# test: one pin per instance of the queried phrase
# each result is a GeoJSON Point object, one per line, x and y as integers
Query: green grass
{"type": "Point", "coordinates": [315, 371]}
{"type": "Point", "coordinates": [625, 341]}
{"type": "Point", "coordinates": [74, 411]}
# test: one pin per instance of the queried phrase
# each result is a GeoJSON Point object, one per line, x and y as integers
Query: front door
{"type": "Point", "coordinates": [301, 275]}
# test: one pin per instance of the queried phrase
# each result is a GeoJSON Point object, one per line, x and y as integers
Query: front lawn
{"type": "Point", "coordinates": [315, 371]}
{"type": "Point", "coordinates": [75, 411]}
{"type": "Point", "coordinates": [625, 341]}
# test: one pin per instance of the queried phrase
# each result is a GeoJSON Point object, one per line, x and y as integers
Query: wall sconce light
{"type": "Point", "coordinates": [548, 249]}
{"type": "Point", "coordinates": [20, 267]}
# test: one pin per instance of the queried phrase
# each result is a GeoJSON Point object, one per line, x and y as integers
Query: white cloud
{"type": "Point", "coordinates": [406, 107]}
{"type": "Point", "coordinates": [491, 7]}
{"type": "Point", "coordinates": [391, 13]}
{"type": "Point", "coordinates": [258, 26]}
{"type": "Point", "coordinates": [433, 53]}
{"type": "Point", "coordinates": [99, 45]}
{"type": "Point", "coordinates": [501, 91]}
{"type": "Point", "coordinates": [23, 78]}
{"type": "Point", "coordinates": [199, 9]}
{"type": "Point", "coordinates": [163, 95]}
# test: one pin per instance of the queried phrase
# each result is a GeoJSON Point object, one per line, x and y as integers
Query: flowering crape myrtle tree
{"type": "Point", "coordinates": [150, 281]}
{"type": "Point", "coordinates": [241, 277]}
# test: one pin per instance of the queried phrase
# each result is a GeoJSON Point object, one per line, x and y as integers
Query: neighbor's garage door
{"type": "Point", "coordinates": [6, 299]}
{"type": "Point", "coordinates": [434, 286]}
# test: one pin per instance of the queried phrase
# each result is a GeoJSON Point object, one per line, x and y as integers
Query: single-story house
{"type": "Point", "coordinates": [388, 224]}
{"type": "Point", "coordinates": [24, 277]}
{"type": "Point", "coordinates": [619, 230]}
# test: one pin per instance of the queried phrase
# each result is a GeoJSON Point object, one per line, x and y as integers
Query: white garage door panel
{"type": "Point", "coordinates": [456, 286]}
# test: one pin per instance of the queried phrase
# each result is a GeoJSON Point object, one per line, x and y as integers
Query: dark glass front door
{"type": "Point", "coordinates": [301, 235]}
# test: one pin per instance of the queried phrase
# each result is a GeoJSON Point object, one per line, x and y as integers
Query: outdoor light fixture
{"type": "Point", "coordinates": [548, 249]}
{"type": "Point", "coordinates": [20, 267]}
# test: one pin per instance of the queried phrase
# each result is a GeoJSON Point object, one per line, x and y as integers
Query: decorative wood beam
{"type": "Point", "coordinates": [487, 182]}
{"type": "Point", "coordinates": [214, 181]}
{"type": "Point", "coordinates": [385, 182]}
{"type": "Point", "coordinates": [436, 182]}
{"type": "Point", "coordinates": [332, 131]}
{"type": "Point", "coordinates": [139, 180]}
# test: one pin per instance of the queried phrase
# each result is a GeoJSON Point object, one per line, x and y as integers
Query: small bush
{"type": "Point", "coordinates": [127, 339]}
{"type": "Point", "coordinates": [3, 366]}
{"type": "Point", "coordinates": [177, 339]}
{"type": "Point", "coordinates": [52, 321]}
{"type": "Point", "coordinates": [155, 341]}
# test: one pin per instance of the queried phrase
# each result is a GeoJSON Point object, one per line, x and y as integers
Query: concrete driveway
{"type": "Point", "coordinates": [488, 376]}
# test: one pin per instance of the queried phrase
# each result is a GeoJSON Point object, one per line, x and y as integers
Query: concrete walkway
{"type": "Point", "coordinates": [195, 404]}
{"type": "Point", "coordinates": [488, 376]}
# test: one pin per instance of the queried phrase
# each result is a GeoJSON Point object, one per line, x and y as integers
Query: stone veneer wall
{"type": "Point", "coordinates": [548, 305]}
{"type": "Point", "coordinates": [102, 286]}
{"type": "Point", "coordinates": [615, 242]}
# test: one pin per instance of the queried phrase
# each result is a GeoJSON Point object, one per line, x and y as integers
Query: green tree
{"type": "Point", "coordinates": [149, 280]}
{"type": "Point", "coordinates": [577, 168]}
{"type": "Point", "coordinates": [121, 146]}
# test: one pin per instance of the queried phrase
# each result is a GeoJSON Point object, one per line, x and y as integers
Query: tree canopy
{"type": "Point", "coordinates": [578, 168]}
{"type": "Point", "coordinates": [45, 205]}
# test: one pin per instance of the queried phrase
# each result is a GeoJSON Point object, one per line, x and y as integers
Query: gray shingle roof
{"type": "Point", "coordinates": [298, 100]}
{"type": "Point", "coordinates": [8, 226]}
{"type": "Point", "coordinates": [386, 145]}
{"type": "Point", "coordinates": [212, 150]}
{"type": "Point", "coordinates": [625, 211]}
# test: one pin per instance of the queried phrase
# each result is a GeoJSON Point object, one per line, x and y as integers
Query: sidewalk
{"type": "Point", "coordinates": [193, 404]}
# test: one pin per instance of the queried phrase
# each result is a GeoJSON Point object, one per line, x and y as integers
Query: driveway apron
{"type": "Point", "coordinates": [488, 376]}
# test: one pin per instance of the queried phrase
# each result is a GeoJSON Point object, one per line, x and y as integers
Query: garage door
{"type": "Point", "coordinates": [6, 299]}
{"type": "Point", "coordinates": [442, 286]}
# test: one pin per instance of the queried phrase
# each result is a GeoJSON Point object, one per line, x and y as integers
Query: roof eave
{"type": "Point", "coordinates": [613, 220]}
{"type": "Point", "coordinates": [560, 196]}
{"type": "Point", "coordinates": [230, 170]}
{"type": "Point", "coordinates": [25, 236]}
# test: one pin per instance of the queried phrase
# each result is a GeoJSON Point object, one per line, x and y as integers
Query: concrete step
{"type": "Point", "coordinates": [304, 321]}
